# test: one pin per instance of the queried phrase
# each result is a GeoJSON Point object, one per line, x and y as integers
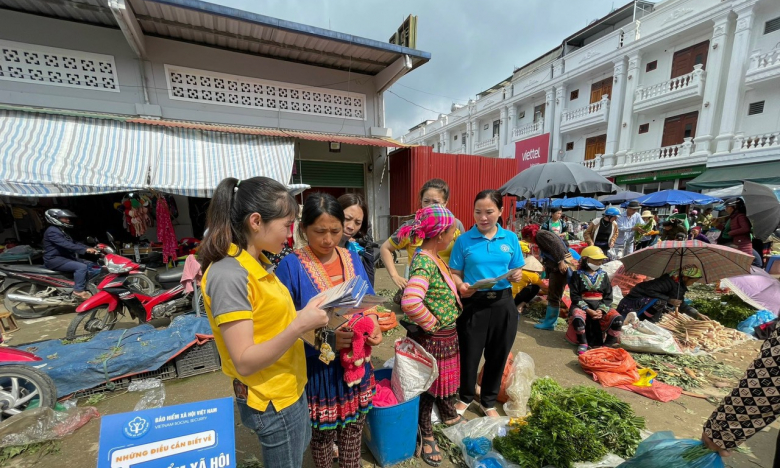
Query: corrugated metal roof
{"type": "Point", "coordinates": [228, 28]}
{"type": "Point", "coordinates": [345, 139]}
{"type": "Point", "coordinates": [82, 11]}
{"type": "Point", "coordinates": [240, 129]}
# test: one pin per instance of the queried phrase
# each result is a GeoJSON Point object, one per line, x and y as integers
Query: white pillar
{"type": "Point", "coordinates": [626, 128]}
{"type": "Point", "coordinates": [549, 110]}
{"type": "Point", "coordinates": [470, 135]}
{"type": "Point", "coordinates": [615, 112]}
{"type": "Point", "coordinates": [442, 142]}
{"type": "Point", "coordinates": [503, 130]}
{"type": "Point", "coordinates": [734, 85]}
{"type": "Point", "coordinates": [560, 97]}
{"type": "Point", "coordinates": [447, 147]}
{"type": "Point", "coordinates": [712, 85]}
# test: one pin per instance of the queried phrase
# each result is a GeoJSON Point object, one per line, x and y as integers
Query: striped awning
{"type": "Point", "coordinates": [43, 154]}
{"type": "Point", "coordinates": [192, 162]}
{"type": "Point", "coordinates": [49, 155]}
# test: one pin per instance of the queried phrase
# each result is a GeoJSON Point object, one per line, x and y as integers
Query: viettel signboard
{"type": "Point", "coordinates": [532, 151]}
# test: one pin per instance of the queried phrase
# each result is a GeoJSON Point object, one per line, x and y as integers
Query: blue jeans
{"type": "Point", "coordinates": [284, 434]}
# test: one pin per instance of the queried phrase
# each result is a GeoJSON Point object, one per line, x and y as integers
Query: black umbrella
{"type": "Point", "coordinates": [620, 197]}
{"type": "Point", "coordinates": [557, 179]}
{"type": "Point", "coordinates": [763, 209]}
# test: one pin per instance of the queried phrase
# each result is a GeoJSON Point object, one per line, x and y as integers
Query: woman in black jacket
{"type": "Point", "coordinates": [650, 299]}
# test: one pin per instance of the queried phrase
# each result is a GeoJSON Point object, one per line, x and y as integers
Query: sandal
{"type": "Point", "coordinates": [427, 457]}
{"type": "Point", "coordinates": [459, 420]}
{"type": "Point", "coordinates": [485, 411]}
{"type": "Point", "coordinates": [582, 349]}
{"type": "Point", "coordinates": [461, 411]}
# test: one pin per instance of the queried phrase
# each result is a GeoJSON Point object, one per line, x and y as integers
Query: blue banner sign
{"type": "Point", "coordinates": [193, 435]}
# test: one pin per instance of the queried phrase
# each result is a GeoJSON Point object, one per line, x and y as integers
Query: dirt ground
{"type": "Point", "coordinates": [552, 355]}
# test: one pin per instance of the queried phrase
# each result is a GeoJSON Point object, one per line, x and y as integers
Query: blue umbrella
{"type": "Point", "coordinates": [582, 203]}
{"type": "Point", "coordinates": [620, 197]}
{"type": "Point", "coordinates": [676, 197]}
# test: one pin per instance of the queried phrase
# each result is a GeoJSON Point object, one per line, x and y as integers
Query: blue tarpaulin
{"type": "Point", "coordinates": [117, 353]}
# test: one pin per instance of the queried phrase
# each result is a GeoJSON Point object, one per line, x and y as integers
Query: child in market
{"type": "Point", "coordinates": [430, 299]}
{"type": "Point", "coordinates": [591, 314]}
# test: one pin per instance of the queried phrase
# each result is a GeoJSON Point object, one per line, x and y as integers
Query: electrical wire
{"type": "Point", "coordinates": [432, 94]}
{"type": "Point", "coordinates": [414, 103]}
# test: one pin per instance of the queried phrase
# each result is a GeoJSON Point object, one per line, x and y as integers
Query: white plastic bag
{"type": "Point", "coordinates": [518, 387]}
{"type": "Point", "coordinates": [611, 268]}
{"type": "Point", "coordinates": [646, 337]}
{"type": "Point", "coordinates": [617, 296]}
{"type": "Point", "coordinates": [490, 428]}
{"type": "Point", "coordinates": [414, 371]}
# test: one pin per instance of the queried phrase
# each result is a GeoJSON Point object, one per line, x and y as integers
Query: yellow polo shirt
{"type": "Point", "coordinates": [239, 288]}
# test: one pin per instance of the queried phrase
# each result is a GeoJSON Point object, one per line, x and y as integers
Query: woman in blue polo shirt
{"type": "Point", "coordinates": [489, 321]}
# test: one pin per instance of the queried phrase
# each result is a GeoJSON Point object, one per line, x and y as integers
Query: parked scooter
{"type": "Point", "coordinates": [33, 291]}
{"type": "Point", "coordinates": [22, 385]}
{"type": "Point", "coordinates": [118, 296]}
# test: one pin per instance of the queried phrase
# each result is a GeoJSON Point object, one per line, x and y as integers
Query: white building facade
{"type": "Point", "coordinates": [651, 95]}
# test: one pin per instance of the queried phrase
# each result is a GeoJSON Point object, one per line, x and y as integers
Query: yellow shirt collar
{"type": "Point", "coordinates": [258, 266]}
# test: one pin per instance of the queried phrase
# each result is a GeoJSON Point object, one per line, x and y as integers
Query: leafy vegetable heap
{"type": "Point", "coordinates": [734, 311]}
{"type": "Point", "coordinates": [572, 424]}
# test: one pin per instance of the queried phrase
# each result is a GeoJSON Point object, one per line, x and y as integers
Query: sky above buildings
{"type": "Point", "coordinates": [473, 44]}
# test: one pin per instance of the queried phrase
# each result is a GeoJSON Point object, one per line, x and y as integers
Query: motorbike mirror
{"type": "Point", "coordinates": [110, 240]}
{"type": "Point", "coordinates": [91, 241]}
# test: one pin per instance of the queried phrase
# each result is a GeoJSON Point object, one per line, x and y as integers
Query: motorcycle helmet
{"type": "Point", "coordinates": [612, 211]}
{"type": "Point", "coordinates": [53, 217]}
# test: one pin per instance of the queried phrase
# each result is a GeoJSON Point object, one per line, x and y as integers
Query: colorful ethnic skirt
{"type": "Point", "coordinates": [332, 404]}
{"type": "Point", "coordinates": [443, 345]}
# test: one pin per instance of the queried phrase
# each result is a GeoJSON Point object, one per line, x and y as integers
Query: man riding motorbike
{"type": "Point", "coordinates": [59, 251]}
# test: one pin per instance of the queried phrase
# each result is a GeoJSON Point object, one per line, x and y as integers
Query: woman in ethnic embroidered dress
{"type": "Point", "coordinates": [336, 410]}
{"type": "Point", "coordinates": [431, 300]}
{"type": "Point", "coordinates": [591, 314]}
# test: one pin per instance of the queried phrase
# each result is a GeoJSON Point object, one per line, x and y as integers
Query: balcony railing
{"type": "Point", "coordinates": [458, 150]}
{"type": "Point", "coordinates": [592, 114]}
{"type": "Point", "coordinates": [756, 142]}
{"type": "Point", "coordinates": [529, 130]}
{"type": "Point", "coordinates": [659, 154]}
{"type": "Point", "coordinates": [486, 144]}
{"type": "Point", "coordinates": [688, 86]}
{"type": "Point", "coordinates": [594, 163]}
{"type": "Point", "coordinates": [763, 66]}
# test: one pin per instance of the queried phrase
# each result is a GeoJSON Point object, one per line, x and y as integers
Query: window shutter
{"type": "Point", "coordinates": [772, 25]}
{"type": "Point", "coordinates": [756, 108]}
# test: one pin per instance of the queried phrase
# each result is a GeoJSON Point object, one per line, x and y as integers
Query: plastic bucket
{"type": "Point", "coordinates": [391, 432]}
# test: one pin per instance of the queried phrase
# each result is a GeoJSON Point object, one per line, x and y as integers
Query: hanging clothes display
{"type": "Point", "coordinates": [165, 233]}
{"type": "Point", "coordinates": [136, 210]}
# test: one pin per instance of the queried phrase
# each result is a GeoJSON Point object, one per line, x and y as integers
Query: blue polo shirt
{"type": "Point", "coordinates": [479, 257]}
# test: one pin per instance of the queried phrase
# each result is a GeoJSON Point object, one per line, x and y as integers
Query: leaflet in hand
{"type": "Point", "coordinates": [347, 295]}
{"type": "Point", "coordinates": [490, 282]}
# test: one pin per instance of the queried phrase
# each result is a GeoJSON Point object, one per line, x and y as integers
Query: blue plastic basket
{"type": "Point", "coordinates": [391, 432]}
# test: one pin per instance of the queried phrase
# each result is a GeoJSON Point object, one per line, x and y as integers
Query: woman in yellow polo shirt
{"type": "Point", "coordinates": [255, 325]}
{"type": "Point", "coordinates": [433, 192]}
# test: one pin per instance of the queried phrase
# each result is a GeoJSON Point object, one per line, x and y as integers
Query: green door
{"type": "Point", "coordinates": [329, 174]}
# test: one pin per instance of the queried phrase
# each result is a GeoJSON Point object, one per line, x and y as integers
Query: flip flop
{"type": "Point", "coordinates": [460, 420]}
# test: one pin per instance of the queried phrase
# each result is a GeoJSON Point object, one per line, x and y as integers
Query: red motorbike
{"type": "Point", "coordinates": [22, 385]}
{"type": "Point", "coordinates": [118, 295]}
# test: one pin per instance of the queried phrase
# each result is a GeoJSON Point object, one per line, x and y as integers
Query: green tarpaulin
{"type": "Point", "coordinates": [727, 176]}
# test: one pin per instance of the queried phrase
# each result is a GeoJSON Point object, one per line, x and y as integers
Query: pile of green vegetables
{"type": "Point", "coordinates": [568, 425]}
{"type": "Point", "coordinates": [727, 309]}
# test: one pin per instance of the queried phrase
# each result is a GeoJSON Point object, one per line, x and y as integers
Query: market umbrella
{"type": "Point", "coordinates": [620, 197]}
{"type": "Point", "coordinates": [532, 202]}
{"type": "Point", "coordinates": [763, 209]}
{"type": "Point", "coordinates": [676, 197]}
{"type": "Point", "coordinates": [716, 261]}
{"type": "Point", "coordinates": [557, 179]}
{"type": "Point", "coordinates": [581, 203]}
{"type": "Point", "coordinates": [758, 289]}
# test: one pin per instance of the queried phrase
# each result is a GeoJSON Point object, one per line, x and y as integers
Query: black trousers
{"type": "Point", "coordinates": [487, 326]}
{"type": "Point", "coordinates": [526, 294]}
